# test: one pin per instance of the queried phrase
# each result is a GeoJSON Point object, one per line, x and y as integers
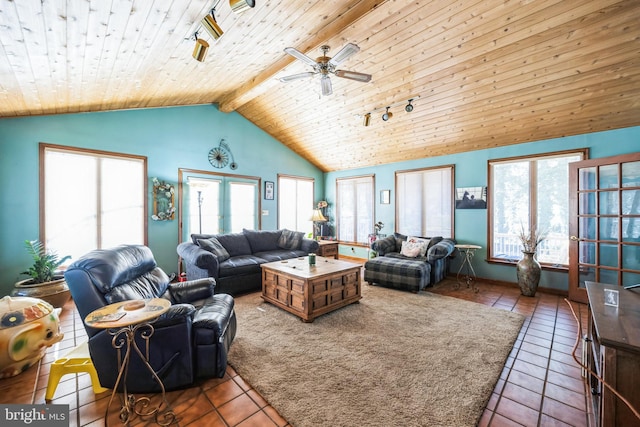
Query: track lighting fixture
{"type": "Point", "coordinates": [239, 6]}
{"type": "Point", "coordinates": [409, 108]}
{"type": "Point", "coordinates": [200, 50]}
{"type": "Point", "coordinates": [209, 23]}
{"type": "Point", "coordinates": [387, 115]}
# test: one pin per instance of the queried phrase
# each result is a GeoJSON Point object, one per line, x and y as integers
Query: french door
{"type": "Point", "coordinates": [217, 204]}
{"type": "Point", "coordinates": [604, 223]}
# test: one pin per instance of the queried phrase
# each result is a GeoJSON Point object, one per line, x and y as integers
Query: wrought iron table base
{"type": "Point", "coordinates": [132, 406]}
{"type": "Point", "coordinates": [469, 276]}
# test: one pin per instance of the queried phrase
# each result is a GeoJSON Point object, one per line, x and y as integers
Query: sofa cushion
{"type": "Point", "coordinates": [240, 265]}
{"type": "Point", "coordinates": [195, 237]}
{"type": "Point", "coordinates": [290, 239]}
{"type": "Point", "coordinates": [262, 240]}
{"type": "Point", "coordinates": [420, 242]}
{"type": "Point", "coordinates": [214, 246]}
{"type": "Point", "coordinates": [412, 249]}
{"type": "Point", "coordinates": [279, 255]}
{"type": "Point", "coordinates": [235, 243]}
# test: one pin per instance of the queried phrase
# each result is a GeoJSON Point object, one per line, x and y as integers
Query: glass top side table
{"type": "Point", "coordinates": [469, 275]}
{"type": "Point", "coordinates": [124, 320]}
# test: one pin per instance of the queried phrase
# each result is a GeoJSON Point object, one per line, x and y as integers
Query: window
{"type": "Point", "coordinates": [425, 202]}
{"type": "Point", "coordinates": [528, 193]}
{"type": "Point", "coordinates": [295, 203]}
{"type": "Point", "coordinates": [218, 203]}
{"type": "Point", "coordinates": [354, 209]}
{"type": "Point", "coordinates": [91, 199]}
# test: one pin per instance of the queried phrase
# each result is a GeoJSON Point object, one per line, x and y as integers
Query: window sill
{"type": "Point", "coordinates": [547, 267]}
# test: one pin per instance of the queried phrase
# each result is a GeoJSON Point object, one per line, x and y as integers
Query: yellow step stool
{"type": "Point", "coordinates": [76, 361]}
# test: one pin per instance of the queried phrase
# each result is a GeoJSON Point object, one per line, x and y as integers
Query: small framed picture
{"type": "Point", "coordinates": [385, 197]}
{"type": "Point", "coordinates": [268, 190]}
{"type": "Point", "coordinates": [611, 297]}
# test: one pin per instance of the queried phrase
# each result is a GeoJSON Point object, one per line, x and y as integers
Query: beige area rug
{"type": "Point", "coordinates": [394, 359]}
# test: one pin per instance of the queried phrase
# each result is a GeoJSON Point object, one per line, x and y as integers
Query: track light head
{"type": "Point", "coordinates": [367, 119]}
{"type": "Point", "coordinates": [239, 6]}
{"type": "Point", "coordinates": [209, 23]}
{"type": "Point", "coordinates": [200, 50]}
{"type": "Point", "coordinates": [409, 108]}
{"type": "Point", "coordinates": [387, 115]}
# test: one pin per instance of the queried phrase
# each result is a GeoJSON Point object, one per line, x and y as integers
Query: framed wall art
{"type": "Point", "coordinates": [385, 197]}
{"type": "Point", "coordinates": [471, 198]}
{"type": "Point", "coordinates": [268, 190]}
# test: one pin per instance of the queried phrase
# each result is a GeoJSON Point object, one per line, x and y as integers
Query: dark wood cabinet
{"type": "Point", "coordinates": [613, 353]}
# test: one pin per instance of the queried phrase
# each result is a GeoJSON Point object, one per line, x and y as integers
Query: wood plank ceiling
{"type": "Point", "coordinates": [483, 73]}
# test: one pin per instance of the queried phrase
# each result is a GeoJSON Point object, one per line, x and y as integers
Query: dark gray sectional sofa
{"type": "Point", "coordinates": [234, 259]}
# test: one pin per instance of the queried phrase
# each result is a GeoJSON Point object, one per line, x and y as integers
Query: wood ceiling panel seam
{"type": "Point", "coordinates": [24, 73]}
{"type": "Point", "coordinates": [555, 72]}
{"type": "Point", "coordinates": [427, 73]}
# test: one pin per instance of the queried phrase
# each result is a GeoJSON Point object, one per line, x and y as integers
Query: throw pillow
{"type": "Point", "coordinates": [410, 249]}
{"type": "Point", "coordinates": [290, 239]}
{"type": "Point", "coordinates": [215, 247]}
{"type": "Point", "coordinates": [421, 241]}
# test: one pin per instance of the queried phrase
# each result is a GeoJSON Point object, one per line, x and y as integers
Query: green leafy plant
{"type": "Point", "coordinates": [45, 263]}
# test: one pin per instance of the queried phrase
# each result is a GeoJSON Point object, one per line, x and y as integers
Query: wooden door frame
{"type": "Point", "coordinates": [576, 293]}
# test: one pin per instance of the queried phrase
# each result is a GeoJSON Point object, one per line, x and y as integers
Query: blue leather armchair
{"type": "Point", "coordinates": [190, 340]}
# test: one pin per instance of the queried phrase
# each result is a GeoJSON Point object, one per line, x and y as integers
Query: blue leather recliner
{"type": "Point", "coordinates": [190, 340]}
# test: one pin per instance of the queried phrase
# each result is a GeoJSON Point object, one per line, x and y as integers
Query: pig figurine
{"type": "Point", "coordinates": [27, 327]}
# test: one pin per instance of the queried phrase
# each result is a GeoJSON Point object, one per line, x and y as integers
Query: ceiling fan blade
{"type": "Point", "coordinates": [301, 56]}
{"type": "Point", "coordinates": [325, 84]}
{"type": "Point", "coordinates": [287, 79]}
{"type": "Point", "coordinates": [360, 77]}
{"type": "Point", "coordinates": [344, 54]}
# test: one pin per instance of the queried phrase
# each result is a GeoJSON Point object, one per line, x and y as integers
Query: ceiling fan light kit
{"type": "Point", "coordinates": [325, 65]}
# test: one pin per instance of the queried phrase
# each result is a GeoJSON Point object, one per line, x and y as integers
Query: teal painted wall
{"type": "Point", "coordinates": [471, 171]}
{"type": "Point", "coordinates": [170, 138]}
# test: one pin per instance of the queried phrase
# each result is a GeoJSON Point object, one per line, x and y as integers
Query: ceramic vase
{"type": "Point", "coordinates": [528, 269]}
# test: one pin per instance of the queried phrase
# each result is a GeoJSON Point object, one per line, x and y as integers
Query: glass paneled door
{"type": "Point", "coordinates": [218, 204]}
{"type": "Point", "coordinates": [604, 223]}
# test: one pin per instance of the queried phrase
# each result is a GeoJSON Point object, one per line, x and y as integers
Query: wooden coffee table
{"type": "Point", "coordinates": [310, 291]}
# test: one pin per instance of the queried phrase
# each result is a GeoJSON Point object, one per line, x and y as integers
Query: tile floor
{"type": "Point", "coordinates": [541, 384]}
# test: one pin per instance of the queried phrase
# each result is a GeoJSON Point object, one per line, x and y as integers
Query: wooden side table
{"type": "Point", "coordinates": [124, 320]}
{"type": "Point", "coordinates": [328, 249]}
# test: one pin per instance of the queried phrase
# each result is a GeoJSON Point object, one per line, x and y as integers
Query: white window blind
{"type": "Point", "coordinates": [295, 203]}
{"type": "Point", "coordinates": [92, 200]}
{"type": "Point", "coordinates": [354, 209]}
{"type": "Point", "coordinates": [425, 202]}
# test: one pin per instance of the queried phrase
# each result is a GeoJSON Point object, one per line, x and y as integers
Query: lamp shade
{"type": "Point", "coordinates": [317, 216]}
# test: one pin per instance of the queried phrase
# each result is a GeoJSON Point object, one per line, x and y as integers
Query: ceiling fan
{"type": "Point", "coordinates": [325, 65]}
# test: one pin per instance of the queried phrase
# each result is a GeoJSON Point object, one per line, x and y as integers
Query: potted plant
{"type": "Point", "coordinates": [45, 281]}
{"type": "Point", "coordinates": [528, 268]}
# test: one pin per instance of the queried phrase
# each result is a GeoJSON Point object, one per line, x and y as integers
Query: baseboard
{"type": "Point", "coordinates": [551, 291]}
